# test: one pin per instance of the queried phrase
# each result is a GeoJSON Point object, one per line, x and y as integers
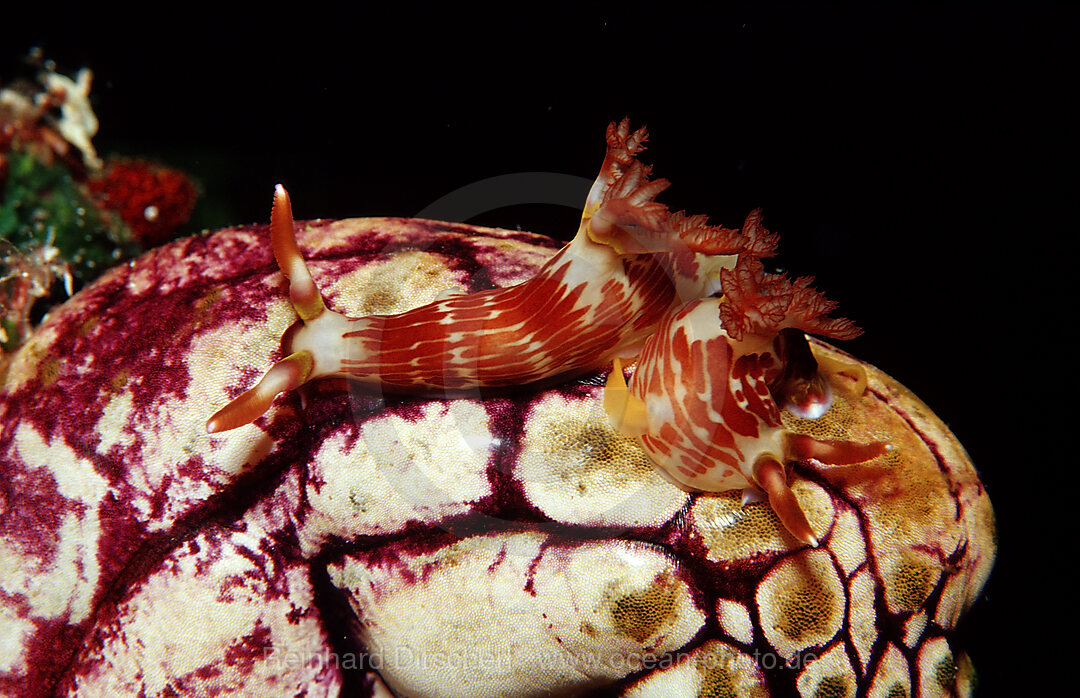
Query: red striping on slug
{"type": "Point", "coordinates": [701, 399]}
{"type": "Point", "coordinates": [616, 287]}
{"type": "Point", "coordinates": [630, 263]}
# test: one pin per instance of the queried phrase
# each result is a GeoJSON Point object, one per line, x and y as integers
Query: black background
{"type": "Point", "coordinates": [917, 159]}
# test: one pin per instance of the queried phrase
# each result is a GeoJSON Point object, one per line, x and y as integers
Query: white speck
{"type": "Point", "coordinates": [150, 213]}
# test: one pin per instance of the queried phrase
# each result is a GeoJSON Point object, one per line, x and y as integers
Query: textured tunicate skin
{"type": "Point", "coordinates": [507, 544]}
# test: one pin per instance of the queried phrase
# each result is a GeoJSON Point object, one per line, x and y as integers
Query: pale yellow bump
{"type": "Point", "coordinates": [640, 614]}
{"type": "Point", "coordinates": [734, 620]}
{"type": "Point", "coordinates": [892, 679]}
{"type": "Point", "coordinates": [914, 627]}
{"type": "Point", "coordinates": [731, 531]}
{"type": "Point", "coordinates": [847, 541]}
{"type": "Point", "coordinates": [910, 582]}
{"type": "Point", "coordinates": [402, 282]}
{"type": "Point", "coordinates": [801, 602]}
{"type": "Point", "coordinates": [629, 595]}
{"type": "Point", "coordinates": [939, 672]}
{"type": "Point", "coordinates": [862, 616]}
{"type": "Point", "coordinates": [727, 673]}
{"type": "Point", "coordinates": [828, 676]}
{"type": "Point", "coordinates": [577, 469]}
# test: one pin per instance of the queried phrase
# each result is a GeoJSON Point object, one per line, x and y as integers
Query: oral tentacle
{"type": "Point", "coordinates": [832, 452]}
{"type": "Point", "coordinates": [769, 474]}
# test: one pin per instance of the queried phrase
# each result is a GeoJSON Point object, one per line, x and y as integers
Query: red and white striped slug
{"type": "Point", "coordinates": [703, 398]}
{"type": "Point", "coordinates": [630, 264]}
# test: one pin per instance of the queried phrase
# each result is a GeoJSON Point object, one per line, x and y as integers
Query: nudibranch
{"type": "Point", "coordinates": [719, 340]}
{"type": "Point", "coordinates": [631, 263]}
{"type": "Point", "coordinates": [705, 398]}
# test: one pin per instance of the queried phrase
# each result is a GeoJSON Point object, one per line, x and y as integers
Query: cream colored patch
{"type": "Point", "coordinates": [734, 620]}
{"type": "Point", "coordinates": [829, 675]}
{"type": "Point", "coordinates": [862, 617]}
{"type": "Point", "coordinates": [402, 282]}
{"type": "Point", "coordinates": [482, 617]}
{"type": "Point", "coordinates": [65, 586]}
{"type": "Point", "coordinates": [172, 432]}
{"type": "Point", "coordinates": [466, 627]}
{"type": "Point", "coordinates": [398, 471]}
{"type": "Point", "coordinates": [218, 357]}
{"type": "Point", "coordinates": [578, 470]}
{"type": "Point", "coordinates": [847, 541]}
{"type": "Point", "coordinates": [221, 593]}
{"type": "Point", "coordinates": [909, 580]}
{"type": "Point", "coordinates": [914, 628]}
{"type": "Point", "coordinates": [732, 531]}
{"type": "Point", "coordinates": [17, 631]}
{"type": "Point", "coordinates": [615, 599]}
{"type": "Point", "coordinates": [938, 670]}
{"type": "Point", "coordinates": [714, 670]}
{"type": "Point", "coordinates": [892, 678]}
{"type": "Point", "coordinates": [116, 427]}
{"type": "Point", "coordinates": [801, 602]}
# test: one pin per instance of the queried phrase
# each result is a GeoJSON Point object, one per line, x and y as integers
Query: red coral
{"type": "Point", "coordinates": [154, 201]}
{"type": "Point", "coordinates": [760, 303]}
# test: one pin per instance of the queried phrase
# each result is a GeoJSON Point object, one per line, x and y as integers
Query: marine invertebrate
{"type": "Point", "coordinates": [630, 263]}
{"type": "Point", "coordinates": [705, 398]}
{"type": "Point", "coordinates": [702, 407]}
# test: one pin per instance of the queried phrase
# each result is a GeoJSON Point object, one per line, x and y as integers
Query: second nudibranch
{"type": "Point", "coordinates": [601, 296]}
{"type": "Point", "coordinates": [705, 398]}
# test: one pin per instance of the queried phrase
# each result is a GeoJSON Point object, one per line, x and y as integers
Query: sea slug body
{"type": "Point", "coordinates": [720, 340]}
{"type": "Point", "coordinates": [630, 263]}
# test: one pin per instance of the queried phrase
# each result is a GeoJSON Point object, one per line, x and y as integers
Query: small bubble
{"type": "Point", "coordinates": [150, 213]}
